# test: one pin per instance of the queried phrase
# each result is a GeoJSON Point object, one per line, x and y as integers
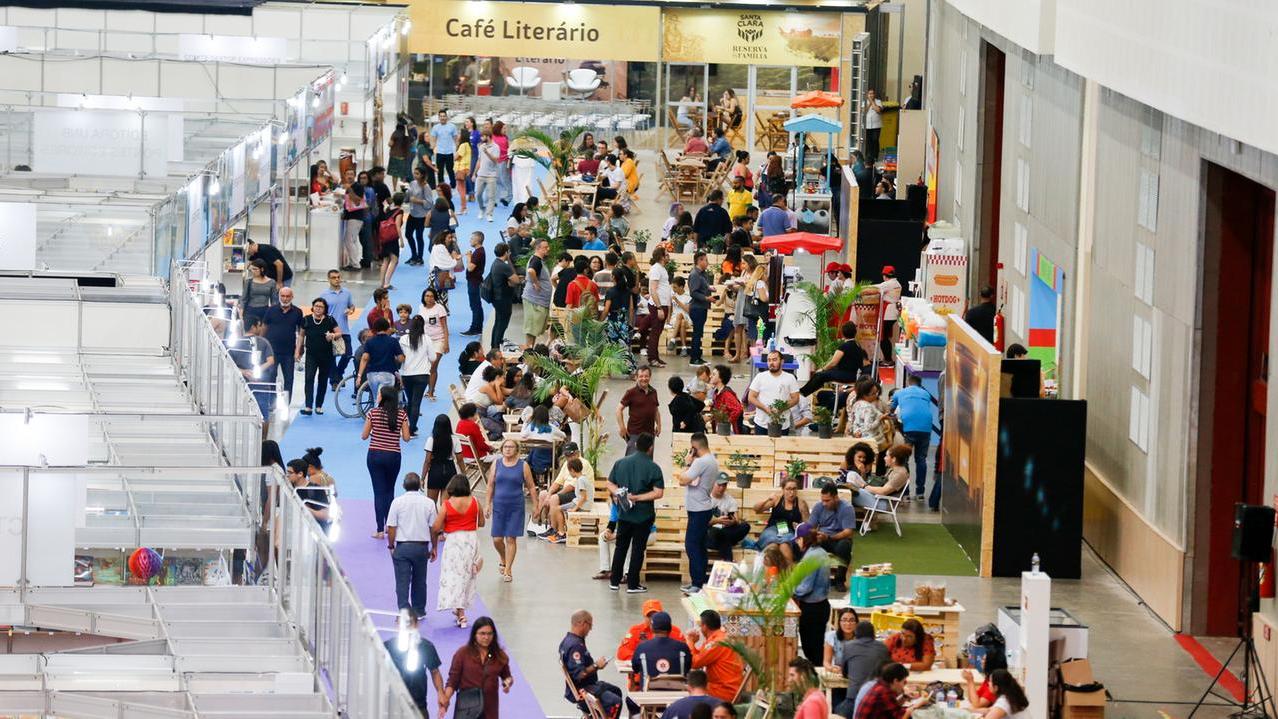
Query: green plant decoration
{"type": "Point", "coordinates": [822, 416]}
{"type": "Point", "coordinates": [795, 468]}
{"type": "Point", "coordinates": [826, 305]}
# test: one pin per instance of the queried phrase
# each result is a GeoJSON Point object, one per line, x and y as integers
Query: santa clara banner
{"type": "Point", "coordinates": [749, 37]}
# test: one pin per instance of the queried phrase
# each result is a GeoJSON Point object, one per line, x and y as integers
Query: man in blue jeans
{"type": "Point", "coordinates": [475, 261]}
{"type": "Point", "coordinates": [914, 406]}
{"type": "Point", "coordinates": [411, 538]}
{"type": "Point", "coordinates": [699, 289]}
{"type": "Point", "coordinates": [698, 479]}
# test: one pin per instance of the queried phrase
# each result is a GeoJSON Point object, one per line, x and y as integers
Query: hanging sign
{"type": "Point", "coordinates": [118, 143]}
{"type": "Point", "coordinates": [749, 37]}
{"type": "Point", "coordinates": [573, 31]}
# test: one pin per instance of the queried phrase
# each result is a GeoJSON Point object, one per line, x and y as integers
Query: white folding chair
{"type": "Point", "coordinates": [473, 465]}
{"type": "Point", "coordinates": [885, 504]}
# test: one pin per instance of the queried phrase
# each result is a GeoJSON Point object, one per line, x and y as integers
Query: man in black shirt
{"type": "Point", "coordinates": [276, 266]}
{"type": "Point", "coordinates": [849, 360]}
{"type": "Point", "coordinates": [475, 261]}
{"type": "Point", "coordinates": [283, 331]}
{"type": "Point", "coordinates": [712, 219]}
{"type": "Point", "coordinates": [377, 179]}
{"type": "Point", "coordinates": [426, 660]}
{"type": "Point", "coordinates": [981, 317]}
{"type": "Point", "coordinates": [501, 281]}
{"type": "Point", "coordinates": [567, 273]}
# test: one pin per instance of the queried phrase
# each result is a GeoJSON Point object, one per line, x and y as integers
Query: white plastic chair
{"type": "Point", "coordinates": [886, 504]}
{"type": "Point", "coordinates": [583, 81]}
{"type": "Point", "coordinates": [524, 78]}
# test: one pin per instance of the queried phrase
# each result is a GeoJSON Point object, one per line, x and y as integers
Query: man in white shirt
{"type": "Point", "coordinates": [771, 386]}
{"type": "Point", "coordinates": [495, 359]}
{"type": "Point", "coordinates": [873, 125]}
{"type": "Point", "coordinates": [889, 299]}
{"type": "Point", "coordinates": [411, 540]}
{"type": "Point", "coordinates": [726, 528]}
{"type": "Point", "coordinates": [698, 479]}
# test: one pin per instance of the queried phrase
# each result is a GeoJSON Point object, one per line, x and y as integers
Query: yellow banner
{"type": "Point", "coordinates": [570, 31]}
{"type": "Point", "coordinates": [752, 38]}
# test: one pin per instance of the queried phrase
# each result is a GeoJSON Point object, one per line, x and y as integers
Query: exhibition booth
{"type": "Point", "coordinates": [138, 531]}
{"type": "Point", "coordinates": [630, 69]}
{"type": "Point", "coordinates": [214, 129]}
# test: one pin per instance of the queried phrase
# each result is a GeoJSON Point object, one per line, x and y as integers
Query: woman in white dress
{"type": "Point", "coordinates": [459, 520]}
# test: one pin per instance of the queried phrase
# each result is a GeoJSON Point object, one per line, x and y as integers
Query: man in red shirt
{"type": "Point", "coordinates": [880, 700]}
{"type": "Point", "coordinates": [382, 308]}
{"type": "Point", "coordinates": [641, 401]}
{"type": "Point", "coordinates": [581, 285]}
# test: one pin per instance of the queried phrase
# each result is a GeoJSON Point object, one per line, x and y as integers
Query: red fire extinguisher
{"type": "Point", "coordinates": [1267, 579]}
{"type": "Point", "coordinates": [998, 330]}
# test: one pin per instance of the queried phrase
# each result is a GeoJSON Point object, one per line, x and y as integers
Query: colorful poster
{"type": "Point", "coordinates": [749, 37]}
{"type": "Point", "coordinates": [319, 110]}
{"type": "Point", "coordinates": [572, 31]}
{"type": "Point", "coordinates": [1047, 282]}
{"type": "Point", "coordinates": [971, 390]}
{"type": "Point", "coordinates": [945, 277]}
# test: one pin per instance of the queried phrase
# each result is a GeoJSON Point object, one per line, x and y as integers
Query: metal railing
{"type": "Point", "coordinates": [216, 385]}
{"type": "Point", "coordinates": [359, 676]}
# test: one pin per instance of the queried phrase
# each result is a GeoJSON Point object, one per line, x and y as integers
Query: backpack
{"type": "Point", "coordinates": [388, 229]}
{"type": "Point", "coordinates": [486, 289]}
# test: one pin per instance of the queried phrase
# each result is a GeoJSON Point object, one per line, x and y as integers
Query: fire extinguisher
{"type": "Point", "coordinates": [998, 330]}
{"type": "Point", "coordinates": [1267, 579]}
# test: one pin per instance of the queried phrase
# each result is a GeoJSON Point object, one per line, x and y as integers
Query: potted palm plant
{"type": "Point", "coordinates": [588, 363]}
{"type": "Point", "coordinates": [765, 602]}
{"type": "Point", "coordinates": [722, 421]}
{"type": "Point", "coordinates": [828, 306]}
{"type": "Point", "coordinates": [777, 412]}
{"type": "Point", "coordinates": [744, 466]}
{"type": "Point", "coordinates": [823, 418]}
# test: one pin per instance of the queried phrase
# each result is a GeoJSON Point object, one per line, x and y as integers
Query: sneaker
{"type": "Point", "coordinates": [472, 333]}
{"type": "Point", "coordinates": [490, 218]}
{"type": "Point", "coordinates": [546, 533]}
{"type": "Point", "coordinates": [319, 410]}
{"type": "Point", "coordinates": [918, 497]}
{"type": "Point", "coordinates": [641, 589]}
{"type": "Point", "coordinates": [560, 539]}
{"type": "Point", "coordinates": [306, 410]}
{"type": "Point", "coordinates": [614, 587]}
{"type": "Point", "coordinates": [686, 589]}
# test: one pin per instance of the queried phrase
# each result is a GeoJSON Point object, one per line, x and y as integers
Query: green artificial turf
{"type": "Point", "coordinates": [921, 549]}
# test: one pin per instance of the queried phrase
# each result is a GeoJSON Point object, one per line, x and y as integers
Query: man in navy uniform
{"type": "Point", "coordinates": [661, 654]}
{"type": "Point", "coordinates": [583, 670]}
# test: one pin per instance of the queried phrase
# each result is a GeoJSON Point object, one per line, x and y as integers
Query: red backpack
{"type": "Point", "coordinates": [388, 229]}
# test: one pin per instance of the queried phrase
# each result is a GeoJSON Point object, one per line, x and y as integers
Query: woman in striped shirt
{"type": "Point", "coordinates": [386, 424]}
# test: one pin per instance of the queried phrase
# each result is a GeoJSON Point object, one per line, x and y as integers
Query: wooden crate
{"type": "Point", "coordinates": [824, 456]}
{"type": "Point", "coordinates": [664, 558]}
{"type": "Point", "coordinates": [585, 526]}
{"type": "Point", "coordinates": [759, 448]}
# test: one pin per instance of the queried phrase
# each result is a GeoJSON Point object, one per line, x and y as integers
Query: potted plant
{"type": "Point", "coordinates": [744, 466]}
{"type": "Point", "coordinates": [641, 238]}
{"type": "Point", "coordinates": [722, 421]}
{"type": "Point", "coordinates": [795, 468]}
{"type": "Point", "coordinates": [823, 418]}
{"type": "Point", "coordinates": [717, 245]}
{"type": "Point", "coordinates": [764, 603]}
{"type": "Point", "coordinates": [777, 413]}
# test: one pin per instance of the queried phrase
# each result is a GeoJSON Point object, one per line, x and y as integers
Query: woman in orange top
{"type": "Point", "coordinates": [459, 519]}
{"type": "Point", "coordinates": [912, 646]}
{"type": "Point", "coordinates": [631, 170]}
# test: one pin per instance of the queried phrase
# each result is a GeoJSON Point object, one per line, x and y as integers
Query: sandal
{"type": "Point", "coordinates": [507, 578]}
{"type": "Point", "coordinates": [379, 535]}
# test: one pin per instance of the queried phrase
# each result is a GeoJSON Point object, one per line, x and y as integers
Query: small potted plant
{"type": "Point", "coordinates": [717, 244]}
{"type": "Point", "coordinates": [777, 412]}
{"type": "Point", "coordinates": [795, 469]}
{"type": "Point", "coordinates": [641, 238]}
{"type": "Point", "coordinates": [722, 421]}
{"type": "Point", "coordinates": [823, 418]}
{"type": "Point", "coordinates": [744, 466]}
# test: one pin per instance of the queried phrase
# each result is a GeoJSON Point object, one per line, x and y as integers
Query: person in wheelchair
{"type": "Point", "coordinates": [381, 358]}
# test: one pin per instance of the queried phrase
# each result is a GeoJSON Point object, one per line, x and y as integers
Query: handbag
{"type": "Point", "coordinates": [339, 345]}
{"type": "Point", "coordinates": [470, 704]}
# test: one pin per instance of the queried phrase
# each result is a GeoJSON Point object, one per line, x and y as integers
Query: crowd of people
{"type": "Point", "coordinates": [531, 489]}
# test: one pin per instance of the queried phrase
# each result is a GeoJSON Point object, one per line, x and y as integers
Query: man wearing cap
{"type": "Point", "coordinates": [698, 481]}
{"type": "Point", "coordinates": [642, 632]}
{"type": "Point", "coordinates": [889, 298]}
{"type": "Point", "coordinates": [813, 596]}
{"type": "Point", "coordinates": [662, 654]}
{"type": "Point", "coordinates": [583, 670]}
{"type": "Point", "coordinates": [724, 670]}
{"type": "Point", "coordinates": [726, 530]}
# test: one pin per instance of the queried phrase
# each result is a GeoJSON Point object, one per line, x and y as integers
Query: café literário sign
{"type": "Point", "coordinates": [552, 30]}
